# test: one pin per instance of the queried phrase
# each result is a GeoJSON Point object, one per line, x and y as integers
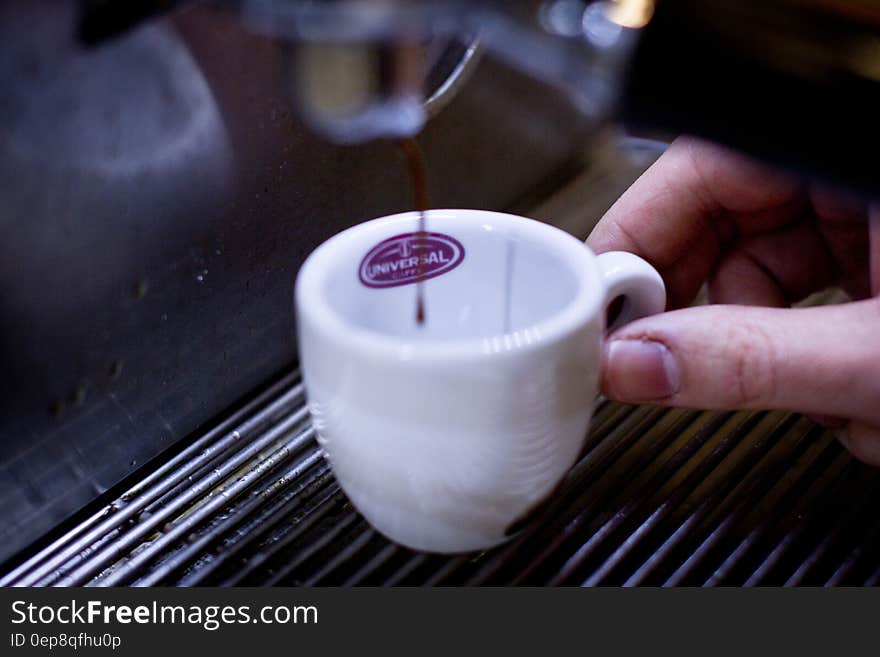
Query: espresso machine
{"type": "Point", "coordinates": [166, 166]}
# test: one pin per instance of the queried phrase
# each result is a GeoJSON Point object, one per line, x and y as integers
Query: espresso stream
{"type": "Point", "coordinates": [418, 177]}
{"type": "Point", "coordinates": [415, 162]}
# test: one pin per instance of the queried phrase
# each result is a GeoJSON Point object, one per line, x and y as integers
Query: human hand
{"type": "Point", "coordinates": [762, 240]}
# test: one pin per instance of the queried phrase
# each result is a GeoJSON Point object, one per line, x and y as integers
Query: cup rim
{"type": "Point", "coordinates": [311, 305]}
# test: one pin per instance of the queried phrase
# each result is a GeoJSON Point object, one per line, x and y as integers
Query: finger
{"type": "Point", "coordinates": [837, 206]}
{"type": "Point", "coordinates": [774, 269]}
{"type": "Point", "coordinates": [843, 226]}
{"type": "Point", "coordinates": [740, 278]}
{"type": "Point", "coordinates": [860, 438]}
{"type": "Point", "coordinates": [863, 440]}
{"type": "Point", "coordinates": [671, 211]}
{"type": "Point", "coordinates": [820, 360]}
{"type": "Point", "coordinates": [829, 421]}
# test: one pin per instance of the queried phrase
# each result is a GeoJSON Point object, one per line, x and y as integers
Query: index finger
{"type": "Point", "coordinates": [692, 199]}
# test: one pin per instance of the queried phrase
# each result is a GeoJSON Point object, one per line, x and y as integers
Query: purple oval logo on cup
{"type": "Point", "coordinates": [404, 259]}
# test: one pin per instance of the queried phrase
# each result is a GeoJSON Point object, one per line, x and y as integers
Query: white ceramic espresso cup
{"type": "Point", "coordinates": [445, 434]}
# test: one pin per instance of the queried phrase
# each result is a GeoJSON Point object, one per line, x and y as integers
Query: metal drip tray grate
{"type": "Point", "coordinates": [658, 497]}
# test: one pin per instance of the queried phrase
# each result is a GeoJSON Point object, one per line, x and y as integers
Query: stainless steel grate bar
{"type": "Point", "coordinates": [229, 494]}
{"type": "Point", "coordinates": [758, 460]}
{"type": "Point", "coordinates": [619, 517]}
{"type": "Point", "coordinates": [789, 496]}
{"type": "Point", "coordinates": [347, 553]}
{"type": "Point", "coordinates": [790, 538]}
{"type": "Point", "coordinates": [600, 460]}
{"type": "Point", "coordinates": [40, 567]}
{"type": "Point", "coordinates": [312, 516]}
{"type": "Point", "coordinates": [445, 571]}
{"type": "Point", "coordinates": [191, 552]}
{"type": "Point", "coordinates": [874, 579]}
{"type": "Point", "coordinates": [735, 518]}
{"type": "Point", "coordinates": [204, 485]}
{"type": "Point", "coordinates": [380, 559]}
{"type": "Point", "coordinates": [821, 551]}
{"type": "Point", "coordinates": [408, 569]}
{"type": "Point", "coordinates": [260, 529]}
{"type": "Point", "coordinates": [845, 571]}
{"type": "Point", "coordinates": [657, 496]}
{"type": "Point", "coordinates": [675, 498]}
{"type": "Point", "coordinates": [351, 519]}
{"type": "Point", "coordinates": [647, 489]}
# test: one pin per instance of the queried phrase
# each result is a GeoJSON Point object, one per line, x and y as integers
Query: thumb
{"type": "Point", "coordinates": [823, 360]}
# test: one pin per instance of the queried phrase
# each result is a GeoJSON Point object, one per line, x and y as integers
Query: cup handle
{"type": "Point", "coordinates": [629, 276]}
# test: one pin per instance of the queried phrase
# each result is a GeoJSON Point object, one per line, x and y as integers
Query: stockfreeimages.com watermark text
{"type": "Point", "coordinates": [207, 617]}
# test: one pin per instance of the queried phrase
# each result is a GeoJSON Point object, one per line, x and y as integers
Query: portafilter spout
{"type": "Point", "coordinates": [353, 92]}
